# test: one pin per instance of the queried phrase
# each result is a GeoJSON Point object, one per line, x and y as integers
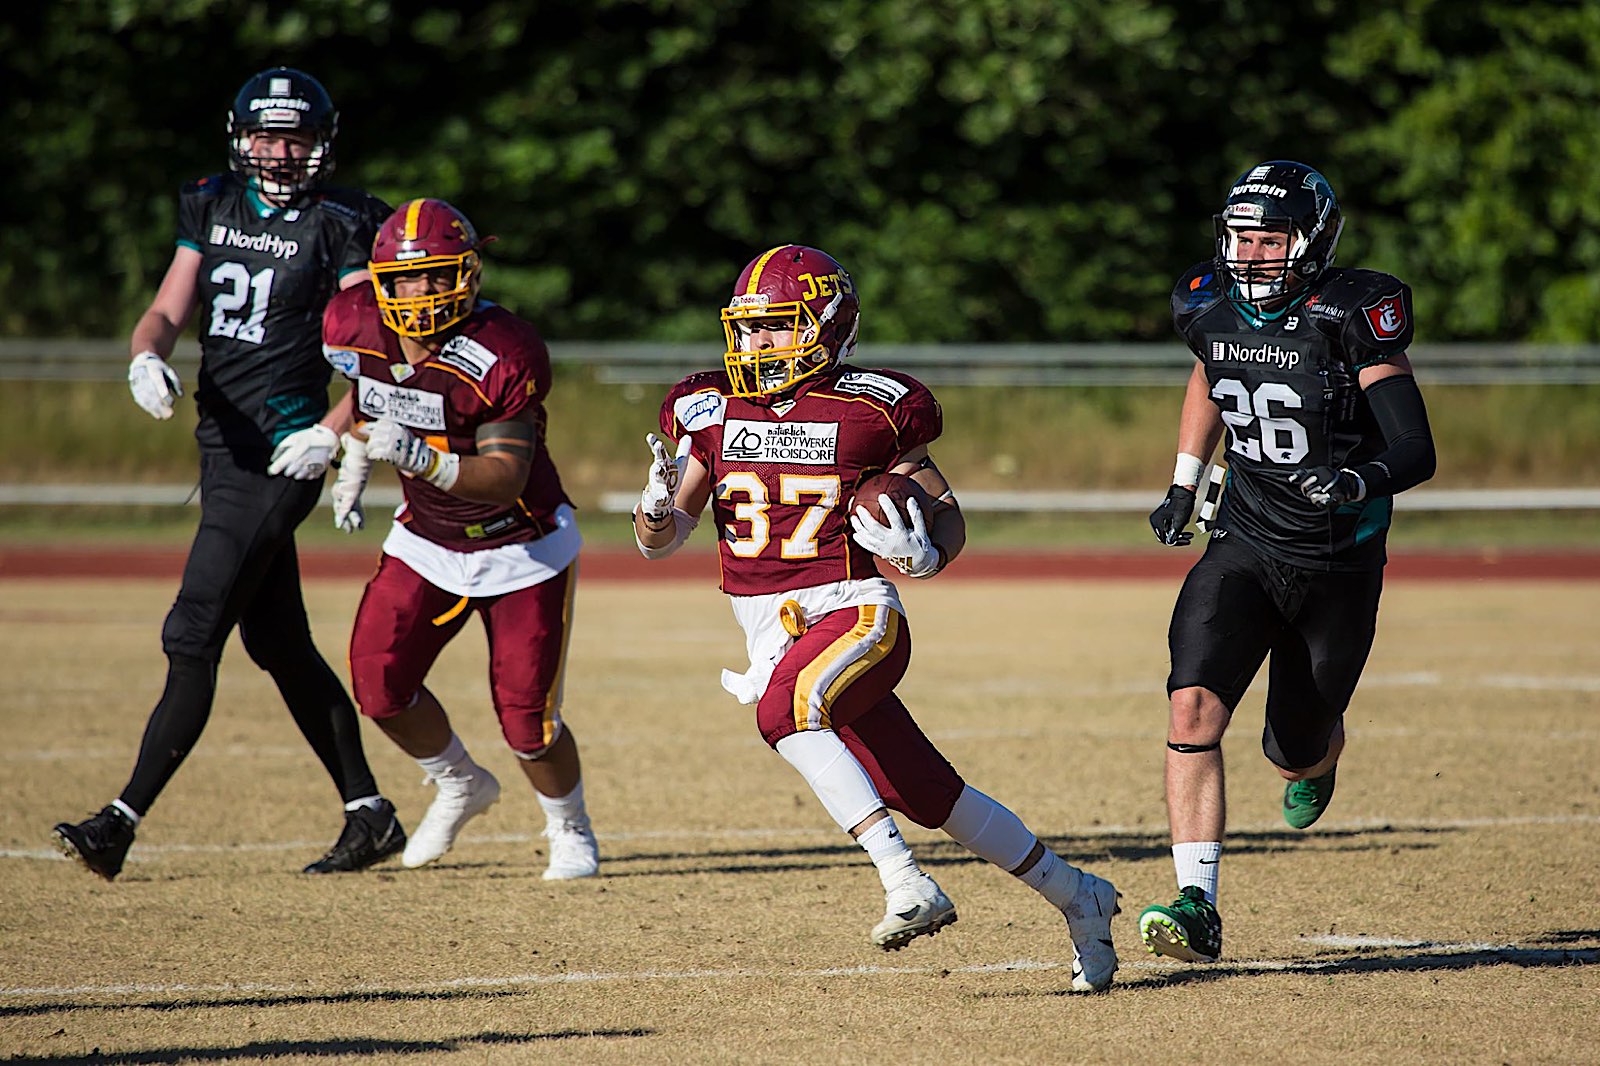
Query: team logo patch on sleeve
{"type": "Point", "coordinates": [699, 410]}
{"type": "Point", "coordinates": [343, 360]}
{"type": "Point", "coordinates": [1387, 317]}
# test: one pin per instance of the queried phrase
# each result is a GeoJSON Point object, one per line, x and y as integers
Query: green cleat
{"type": "Point", "coordinates": [1304, 801]}
{"type": "Point", "coordinates": [1189, 929]}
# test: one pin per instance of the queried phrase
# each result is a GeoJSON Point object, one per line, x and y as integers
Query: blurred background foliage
{"type": "Point", "coordinates": [990, 170]}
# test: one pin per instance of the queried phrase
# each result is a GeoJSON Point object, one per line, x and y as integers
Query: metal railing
{"type": "Point", "coordinates": [644, 363]}
{"type": "Point", "coordinates": [1087, 501]}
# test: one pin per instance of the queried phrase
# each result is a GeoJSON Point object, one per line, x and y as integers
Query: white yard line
{"type": "Point", "coordinates": [1433, 947]}
{"type": "Point", "coordinates": [145, 852]}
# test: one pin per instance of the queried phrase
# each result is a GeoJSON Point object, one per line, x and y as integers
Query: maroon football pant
{"type": "Point", "coordinates": [841, 675]}
{"type": "Point", "coordinates": [404, 622]}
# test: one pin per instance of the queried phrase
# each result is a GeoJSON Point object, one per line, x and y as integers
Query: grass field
{"type": "Point", "coordinates": [1444, 910]}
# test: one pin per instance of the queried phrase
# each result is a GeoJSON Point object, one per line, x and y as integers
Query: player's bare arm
{"type": "Point", "coordinates": [496, 478]}
{"type": "Point", "coordinates": [342, 415]}
{"type": "Point", "coordinates": [163, 322]}
{"type": "Point", "coordinates": [1199, 424]}
{"type": "Point", "coordinates": [1199, 430]}
{"type": "Point", "coordinates": [947, 526]}
{"type": "Point", "coordinates": [499, 471]}
{"type": "Point", "coordinates": [154, 384]}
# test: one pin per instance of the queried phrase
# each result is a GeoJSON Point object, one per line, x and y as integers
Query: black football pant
{"type": "Point", "coordinates": [242, 570]}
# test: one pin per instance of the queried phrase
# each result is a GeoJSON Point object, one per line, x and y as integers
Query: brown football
{"type": "Point", "coordinates": [899, 488]}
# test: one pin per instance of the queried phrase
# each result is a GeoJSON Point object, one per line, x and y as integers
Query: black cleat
{"type": "Point", "coordinates": [371, 834]}
{"type": "Point", "coordinates": [100, 843]}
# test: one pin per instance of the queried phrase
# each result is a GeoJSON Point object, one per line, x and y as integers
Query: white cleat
{"type": "Point", "coordinates": [461, 798]}
{"type": "Point", "coordinates": [917, 907]}
{"type": "Point", "coordinates": [573, 852]}
{"type": "Point", "coordinates": [1094, 959]}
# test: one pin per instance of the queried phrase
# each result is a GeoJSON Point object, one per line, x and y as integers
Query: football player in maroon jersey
{"type": "Point", "coordinates": [451, 391]}
{"type": "Point", "coordinates": [776, 442]}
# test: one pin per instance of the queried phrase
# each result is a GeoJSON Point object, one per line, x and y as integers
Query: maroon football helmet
{"type": "Point", "coordinates": [423, 236]}
{"type": "Point", "coordinates": [794, 314]}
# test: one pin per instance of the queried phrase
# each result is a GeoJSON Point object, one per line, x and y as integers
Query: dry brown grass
{"type": "Point", "coordinates": [730, 923]}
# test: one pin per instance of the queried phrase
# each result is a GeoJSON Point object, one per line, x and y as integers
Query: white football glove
{"type": "Point", "coordinates": [304, 455]}
{"type": "Point", "coordinates": [655, 502]}
{"type": "Point", "coordinates": [908, 548]}
{"type": "Point", "coordinates": [154, 384]}
{"type": "Point", "coordinates": [347, 487]}
{"type": "Point", "coordinates": [390, 442]}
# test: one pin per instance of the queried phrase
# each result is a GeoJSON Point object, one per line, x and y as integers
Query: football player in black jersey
{"type": "Point", "coordinates": [1304, 366]}
{"type": "Point", "coordinates": [261, 250]}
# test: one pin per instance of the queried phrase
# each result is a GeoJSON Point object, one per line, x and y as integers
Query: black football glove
{"type": "Point", "coordinates": [1169, 519]}
{"type": "Point", "coordinates": [1327, 487]}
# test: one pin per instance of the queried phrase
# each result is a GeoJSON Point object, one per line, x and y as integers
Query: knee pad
{"type": "Point", "coordinates": [532, 751]}
{"type": "Point", "coordinates": [373, 696]}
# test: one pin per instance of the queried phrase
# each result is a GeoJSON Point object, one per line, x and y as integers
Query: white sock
{"type": "Point", "coordinates": [989, 830]}
{"type": "Point", "coordinates": [834, 775]}
{"type": "Point", "coordinates": [1196, 864]}
{"type": "Point", "coordinates": [369, 802]}
{"type": "Point", "coordinates": [889, 853]}
{"type": "Point", "coordinates": [453, 759]}
{"type": "Point", "coordinates": [133, 815]}
{"type": "Point", "coordinates": [1054, 878]}
{"type": "Point", "coordinates": [560, 810]}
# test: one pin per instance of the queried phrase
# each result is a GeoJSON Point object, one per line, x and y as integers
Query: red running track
{"type": "Point", "coordinates": [614, 564]}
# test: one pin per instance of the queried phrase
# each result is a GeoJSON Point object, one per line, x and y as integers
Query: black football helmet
{"type": "Point", "coordinates": [1279, 195]}
{"type": "Point", "coordinates": [282, 99]}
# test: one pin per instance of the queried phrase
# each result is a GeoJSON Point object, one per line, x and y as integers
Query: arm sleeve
{"type": "Point", "coordinates": [1408, 460]}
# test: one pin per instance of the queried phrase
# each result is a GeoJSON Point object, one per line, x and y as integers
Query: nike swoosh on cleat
{"type": "Point", "coordinates": [906, 916]}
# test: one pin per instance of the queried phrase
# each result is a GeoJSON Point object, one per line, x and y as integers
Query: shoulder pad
{"type": "Point", "coordinates": [1199, 289]}
{"type": "Point", "coordinates": [351, 203]}
{"type": "Point", "coordinates": [494, 335]}
{"type": "Point", "coordinates": [697, 402]}
{"type": "Point", "coordinates": [907, 403]}
{"type": "Point", "coordinates": [468, 355]}
{"type": "Point", "coordinates": [885, 386]}
{"type": "Point", "coordinates": [341, 318]}
{"type": "Point", "coordinates": [212, 185]}
{"type": "Point", "coordinates": [1368, 311]}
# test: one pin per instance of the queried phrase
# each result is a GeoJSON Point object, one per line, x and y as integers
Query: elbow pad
{"type": "Point", "coordinates": [683, 524]}
{"type": "Point", "coordinates": [1409, 458]}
